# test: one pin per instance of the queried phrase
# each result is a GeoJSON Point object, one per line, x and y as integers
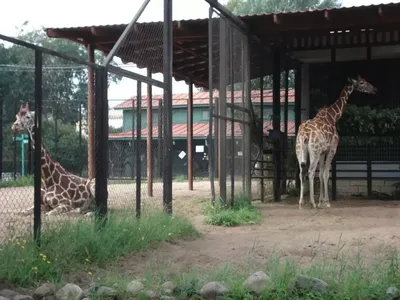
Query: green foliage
{"type": "Point", "coordinates": [369, 121]}
{"type": "Point", "coordinates": [19, 182]}
{"type": "Point", "coordinates": [241, 213]}
{"type": "Point", "coordinates": [63, 145]}
{"type": "Point", "coordinates": [78, 246]}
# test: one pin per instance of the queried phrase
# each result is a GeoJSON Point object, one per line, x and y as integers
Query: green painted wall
{"type": "Point", "coordinates": [200, 115]}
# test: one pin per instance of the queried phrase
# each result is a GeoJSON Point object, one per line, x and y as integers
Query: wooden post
{"type": "Point", "coordinates": [91, 162]}
{"type": "Point", "coordinates": [149, 137]}
{"type": "Point", "coordinates": [190, 136]}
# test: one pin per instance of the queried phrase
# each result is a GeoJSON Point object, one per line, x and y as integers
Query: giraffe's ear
{"type": "Point", "coordinates": [27, 106]}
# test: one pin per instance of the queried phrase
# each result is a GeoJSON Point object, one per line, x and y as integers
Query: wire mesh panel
{"type": "Point", "coordinates": [17, 73]}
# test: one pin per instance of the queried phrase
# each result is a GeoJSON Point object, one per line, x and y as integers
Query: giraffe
{"type": "Point", "coordinates": [319, 139]}
{"type": "Point", "coordinates": [61, 191]}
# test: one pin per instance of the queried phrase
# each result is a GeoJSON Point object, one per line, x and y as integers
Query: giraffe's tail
{"type": "Point", "coordinates": [302, 151]}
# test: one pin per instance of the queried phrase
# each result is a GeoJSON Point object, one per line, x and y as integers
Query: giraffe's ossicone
{"type": "Point", "coordinates": [317, 139]}
{"type": "Point", "coordinates": [62, 191]}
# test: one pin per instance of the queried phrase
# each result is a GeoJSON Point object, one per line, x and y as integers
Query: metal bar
{"type": "Point", "coordinates": [101, 146]}
{"type": "Point", "coordinates": [247, 129]}
{"type": "Point", "coordinates": [242, 26]}
{"type": "Point", "coordinates": [47, 51]}
{"type": "Point", "coordinates": [232, 141]}
{"type": "Point", "coordinates": [222, 109]}
{"type": "Point", "coordinates": [284, 147]}
{"type": "Point", "coordinates": [159, 141]}
{"type": "Point", "coordinates": [37, 222]}
{"type": "Point", "coordinates": [211, 106]}
{"type": "Point", "coordinates": [125, 33]}
{"type": "Point", "coordinates": [15, 142]}
{"type": "Point", "coordinates": [134, 149]}
{"type": "Point", "coordinates": [149, 156]}
{"type": "Point", "coordinates": [138, 149]}
{"type": "Point", "coordinates": [243, 72]}
{"type": "Point", "coordinates": [167, 70]}
{"type": "Point", "coordinates": [237, 107]}
{"type": "Point", "coordinates": [262, 122]}
{"type": "Point", "coordinates": [90, 109]}
{"type": "Point", "coordinates": [190, 136]}
{"type": "Point", "coordinates": [80, 137]}
{"type": "Point", "coordinates": [1, 139]}
{"type": "Point", "coordinates": [276, 122]}
{"type": "Point", "coordinates": [331, 95]}
{"type": "Point", "coordinates": [134, 76]}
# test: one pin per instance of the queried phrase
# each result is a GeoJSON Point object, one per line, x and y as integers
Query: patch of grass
{"type": "Point", "coordinates": [346, 278]}
{"type": "Point", "coordinates": [19, 182]}
{"type": "Point", "coordinates": [78, 246]}
{"type": "Point", "coordinates": [241, 213]}
{"type": "Point", "coordinates": [180, 178]}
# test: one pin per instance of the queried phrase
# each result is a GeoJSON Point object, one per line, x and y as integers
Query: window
{"type": "Point", "coordinates": [204, 114]}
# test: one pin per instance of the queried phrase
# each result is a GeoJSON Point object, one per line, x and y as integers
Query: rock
{"type": "Point", "coordinates": [104, 291]}
{"type": "Point", "coordinates": [167, 288]}
{"type": "Point", "coordinates": [70, 292]}
{"type": "Point", "coordinates": [315, 284]}
{"type": "Point", "coordinates": [257, 282]}
{"type": "Point", "coordinates": [22, 297]}
{"type": "Point", "coordinates": [86, 298]}
{"type": "Point", "coordinates": [150, 295]}
{"type": "Point", "coordinates": [134, 287]}
{"type": "Point", "coordinates": [3, 298]}
{"type": "Point", "coordinates": [167, 298]}
{"type": "Point", "coordinates": [8, 294]}
{"type": "Point", "coordinates": [44, 290]}
{"type": "Point", "coordinates": [213, 289]}
{"type": "Point", "coordinates": [393, 292]}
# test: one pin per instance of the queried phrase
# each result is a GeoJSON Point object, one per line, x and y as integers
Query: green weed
{"type": "Point", "coordinates": [241, 213]}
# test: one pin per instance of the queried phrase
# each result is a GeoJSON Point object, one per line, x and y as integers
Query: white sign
{"type": "Point", "coordinates": [199, 148]}
{"type": "Point", "coordinates": [240, 153]}
{"type": "Point", "coordinates": [182, 154]}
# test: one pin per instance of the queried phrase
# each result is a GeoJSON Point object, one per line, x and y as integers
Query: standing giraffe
{"type": "Point", "coordinates": [61, 191]}
{"type": "Point", "coordinates": [319, 139]}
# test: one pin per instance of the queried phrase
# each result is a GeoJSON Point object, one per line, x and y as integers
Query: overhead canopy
{"type": "Point", "coordinates": [190, 46]}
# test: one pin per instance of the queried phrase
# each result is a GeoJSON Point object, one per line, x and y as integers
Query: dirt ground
{"type": "Point", "coordinates": [347, 227]}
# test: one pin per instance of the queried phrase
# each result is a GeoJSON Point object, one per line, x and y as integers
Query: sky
{"type": "Point", "coordinates": [75, 13]}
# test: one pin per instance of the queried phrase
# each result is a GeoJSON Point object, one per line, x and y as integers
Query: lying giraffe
{"type": "Point", "coordinates": [61, 191]}
{"type": "Point", "coordinates": [319, 139]}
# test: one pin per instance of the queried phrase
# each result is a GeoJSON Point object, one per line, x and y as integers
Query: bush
{"type": "Point", "coordinates": [77, 245]}
{"type": "Point", "coordinates": [241, 213]}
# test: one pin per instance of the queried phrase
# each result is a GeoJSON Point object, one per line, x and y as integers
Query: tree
{"type": "Point", "coordinates": [65, 90]}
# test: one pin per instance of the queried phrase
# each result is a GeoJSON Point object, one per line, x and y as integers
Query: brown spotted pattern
{"type": "Point", "coordinates": [318, 138]}
{"type": "Point", "coordinates": [62, 191]}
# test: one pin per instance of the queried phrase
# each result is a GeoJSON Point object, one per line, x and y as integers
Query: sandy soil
{"type": "Point", "coordinates": [350, 225]}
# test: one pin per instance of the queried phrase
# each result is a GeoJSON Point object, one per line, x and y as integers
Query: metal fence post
{"type": "Point", "coordinates": [101, 144]}
{"type": "Point", "coordinates": [167, 70]}
{"type": "Point", "coordinates": [138, 148]}
{"type": "Point", "coordinates": [38, 145]}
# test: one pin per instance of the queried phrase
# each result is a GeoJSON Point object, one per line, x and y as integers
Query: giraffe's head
{"type": "Point", "coordinates": [361, 85]}
{"type": "Point", "coordinates": [25, 119]}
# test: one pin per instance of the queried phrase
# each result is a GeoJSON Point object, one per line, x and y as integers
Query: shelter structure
{"type": "Point", "coordinates": [322, 47]}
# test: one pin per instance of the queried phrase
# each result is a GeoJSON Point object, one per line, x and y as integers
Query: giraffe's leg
{"type": "Point", "coordinates": [329, 158]}
{"type": "Point", "coordinates": [314, 158]}
{"type": "Point", "coordinates": [43, 206]}
{"type": "Point", "coordinates": [302, 179]}
{"type": "Point", "coordinates": [321, 178]}
{"type": "Point", "coordinates": [62, 208]}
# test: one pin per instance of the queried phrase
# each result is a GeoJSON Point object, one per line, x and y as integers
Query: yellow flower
{"type": "Point", "coordinates": [169, 234]}
{"type": "Point", "coordinates": [43, 255]}
{"type": "Point", "coordinates": [22, 246]}
{"type": "Point", "coordinates": [35, 268]}
{"type": "Point", "coordinates": [142, 238]}
{"type": "Point", "coordinates": [49, 262]}
{"type": "Point", "coordinates": [87, 259]}
{"type": "Point", "coordinates": [90, 273]}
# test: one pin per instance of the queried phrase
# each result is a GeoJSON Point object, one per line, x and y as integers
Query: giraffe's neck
{"type": "Point", "coordinates": [49, 169]}
{"type": "Point", "coordinates": [336, 109]}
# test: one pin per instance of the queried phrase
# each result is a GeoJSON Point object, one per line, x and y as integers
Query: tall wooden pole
{"type": "Point", "coordinates": [91, 162]}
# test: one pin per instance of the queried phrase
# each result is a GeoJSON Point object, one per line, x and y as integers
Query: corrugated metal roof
{"type": "Point", "coordinates": [200, 130]}
{"type": "Point", "coordinates": [202, 98]}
